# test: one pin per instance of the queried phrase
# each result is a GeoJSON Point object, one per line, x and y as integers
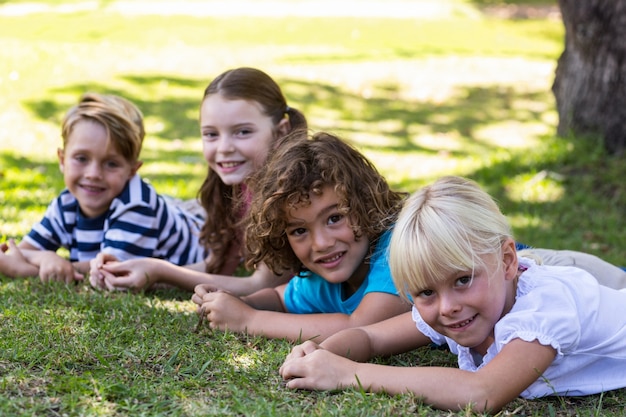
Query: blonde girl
{"type": "Point", "coordinates": [518, 328]}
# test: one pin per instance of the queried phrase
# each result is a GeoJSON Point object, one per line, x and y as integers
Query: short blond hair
{"type": "Point", "coordinates": [121, 119]}
{"type": "Point", "coordinates": [443, 229]}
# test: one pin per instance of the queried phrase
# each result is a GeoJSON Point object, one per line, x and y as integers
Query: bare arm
{"type": "Point", "coordinates": [50, 266]}
{"type": "Point", "coordinates": [260, 279]}
{"type": "Point", "coordinates": [13, 263]}
{"type": "Point", "coordinates": [395, 335]}
{"type": "Point", "coordinates": [228, 312]}
{"type": "Point", "coordinates": [141, 273]}
{"type": "Point", "coordinates": [517, 366]}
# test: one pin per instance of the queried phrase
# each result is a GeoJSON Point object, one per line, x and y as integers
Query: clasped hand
{"type": "Point", "coordinates": [107, 273]}
{"type": "Point", "coordinates": [222, 310]}
{"type": "Point", "coordinates": [312, 367]}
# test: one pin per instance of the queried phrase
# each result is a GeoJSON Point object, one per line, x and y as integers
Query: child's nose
{"type": "Point", "coordinates": [321, 241]}
{"type": "Point", "coordinates": [225, 144]}
{"type": "Point", "coordinates": [94, 170]}
{"type": "Point", "coordinates": [448, 304]}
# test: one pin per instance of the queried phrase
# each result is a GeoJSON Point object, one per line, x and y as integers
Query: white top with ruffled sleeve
{"type": "Point", "coordinates": [566, 308]}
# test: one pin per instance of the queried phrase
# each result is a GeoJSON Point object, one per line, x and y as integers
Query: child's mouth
{"type": "Point", "coordinates": [332, 259]}
{"type": "Point", "coordinates": [92, 188]}
{"type": "Point", "coordinates": [228, 165]}
{"type": "Point", "coordinates": [462, 324]}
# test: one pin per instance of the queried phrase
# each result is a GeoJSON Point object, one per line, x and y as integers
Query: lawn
{"type": "Point", "coordinates": [442, 90]}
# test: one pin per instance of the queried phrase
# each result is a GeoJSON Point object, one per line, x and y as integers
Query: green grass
{"type": "Point", "coordinates": [463, 94]}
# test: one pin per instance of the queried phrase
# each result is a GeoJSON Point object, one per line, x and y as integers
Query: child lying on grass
{"type": "Point", "coordinates": [106, 206]}
{"type": "Point", "coordinates": [518, 328]}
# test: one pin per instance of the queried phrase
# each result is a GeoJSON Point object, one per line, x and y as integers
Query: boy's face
{"type": "Point", "coordinates": [236, 137]}
{"type": "Point", "coordinates": [324, 242]}
{"type": "Point", "coordinates": [93, 170]}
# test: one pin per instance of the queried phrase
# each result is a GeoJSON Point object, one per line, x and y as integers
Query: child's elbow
{"type": "Point", "coordinates": [485, 400]}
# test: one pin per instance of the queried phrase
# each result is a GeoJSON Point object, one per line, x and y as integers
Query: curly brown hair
{"type": "Point", "coordinates": [221, 232]}
{"type": "Point", "coordinates": [304, 164]}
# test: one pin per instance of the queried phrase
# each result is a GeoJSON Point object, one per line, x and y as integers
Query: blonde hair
{"type": "Point", "coordinates": [443, 229]}
{"type": "Point", "coordinates": [121, 119]}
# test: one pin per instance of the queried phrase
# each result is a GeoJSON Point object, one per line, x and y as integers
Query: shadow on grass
{"type": "Point", "coordinates": [470, 109]}
{"type": "Point", "coordinates": [174, 112]}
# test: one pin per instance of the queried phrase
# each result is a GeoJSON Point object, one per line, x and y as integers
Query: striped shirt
{"type": "Point", "coordinates": [139, 223]}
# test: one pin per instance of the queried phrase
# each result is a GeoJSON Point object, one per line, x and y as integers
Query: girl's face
{"type": "Point", "coordinates": [466, 306]}
{"type": "Point", "coordinates": [236, 136]}
{"type": "Point", "coordinates": [324, 242]}
{"type": "Point", "coordinates": [93, 170]}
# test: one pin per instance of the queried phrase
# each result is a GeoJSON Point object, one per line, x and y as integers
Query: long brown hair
{"type": "Point", "coordinates": [222, 203]}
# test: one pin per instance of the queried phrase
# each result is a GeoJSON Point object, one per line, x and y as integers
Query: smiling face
{"type": "Point", "coordinates": [236, 137]}
{"type": "Point", "coordinates": [93, 171]}
{"type": "Point", "coordinates": [467, 305]}
{"type": "Point", "coordinates": [322, 239]}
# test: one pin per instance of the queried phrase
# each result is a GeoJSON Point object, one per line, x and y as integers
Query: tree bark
{"type": "Point", "coordinates": [590, 82]}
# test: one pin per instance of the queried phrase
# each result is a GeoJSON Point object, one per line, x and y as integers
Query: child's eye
{"type": "Point", "coordinates": [80, 158]}
{"type": "Point", "coordinates": [424, 294]}
{"type": "Point", "coordinates": [209, 136]}
{"type": "Point", "coordinates": [244, 132]}
{"type": "Point", "coordinates": [335, 218]}
{"type": "Point", "coordinates": [299, 231]}
{"type": "Point", "coordinates": [464, 281]}
{"type": "Point", "coordinates": [112, 164]}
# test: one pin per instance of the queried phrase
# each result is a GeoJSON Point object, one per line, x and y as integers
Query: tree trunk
{"type": "Point", "coordinates": [590, 82]}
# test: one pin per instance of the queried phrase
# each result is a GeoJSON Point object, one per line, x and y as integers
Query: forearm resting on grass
{"type": "Point", "coordinates": [142, 273]}
{"type": "Point", "coordinates": [260, 279]}
{"type": "Point", "coordinates": [224, 311]}
{"type": "Point", "coordinates": [13, 263]}
{"type": "Point", "coordinates": [503, 379]}
{"type": "Point", "coordinates": [50, 265]}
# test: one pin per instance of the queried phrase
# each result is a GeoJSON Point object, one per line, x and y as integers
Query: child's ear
{"type": "Point", "coordinates": [61, 156]}
{"type": "Point", "coordinates": [283, 127]}
{"type": "Point", "coordinates": [134, 170]}
{"type": "Point", "coordinates": [509, 259]}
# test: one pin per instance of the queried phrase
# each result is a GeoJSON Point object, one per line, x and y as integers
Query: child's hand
{"type": "Point", "coordinates": [52, 267]}
{"type": "Point", "coordinates": [319, 370]}
{"type": "Point", "coordinates": [302, 349]}
{"type": "Point", "coordinates": [133, 274]}
{"type": "Point", "coordinates": [225, 311]}
{"type": "Point", "coordinates": [200, 291]}
{"type": "Point", "coordinates": [13, 263]}
{"type": "Point", "coordinates": [96, 277]}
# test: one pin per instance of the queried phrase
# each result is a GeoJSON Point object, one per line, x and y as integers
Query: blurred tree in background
{"type": "Point", "coordinates": [590, 82]}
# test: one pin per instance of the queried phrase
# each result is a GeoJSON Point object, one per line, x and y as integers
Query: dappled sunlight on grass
{"type": "Point", "coordinates": [171, 305]}
{"type": "Point", "coordinates": [421, 98]}
{"type": "Point", "coordinates": [536, 188]}
{"type": "Point", "coordinates": [524, 221]}
{"type": "Point", "coordinates": [412, 169]}
{"type": "Point", "coordinates": [513, 134]}
{"type": "Point", "coordinates": [243, 361]}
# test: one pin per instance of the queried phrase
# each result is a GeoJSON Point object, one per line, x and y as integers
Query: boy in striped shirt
{"type": "Point", "coordinates": [106, 206]}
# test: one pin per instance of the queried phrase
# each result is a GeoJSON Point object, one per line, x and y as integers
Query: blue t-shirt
{"type": "Point", "coordinates": [313, 294]}
{"type": "Point", "coordinates": [139, 223]}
